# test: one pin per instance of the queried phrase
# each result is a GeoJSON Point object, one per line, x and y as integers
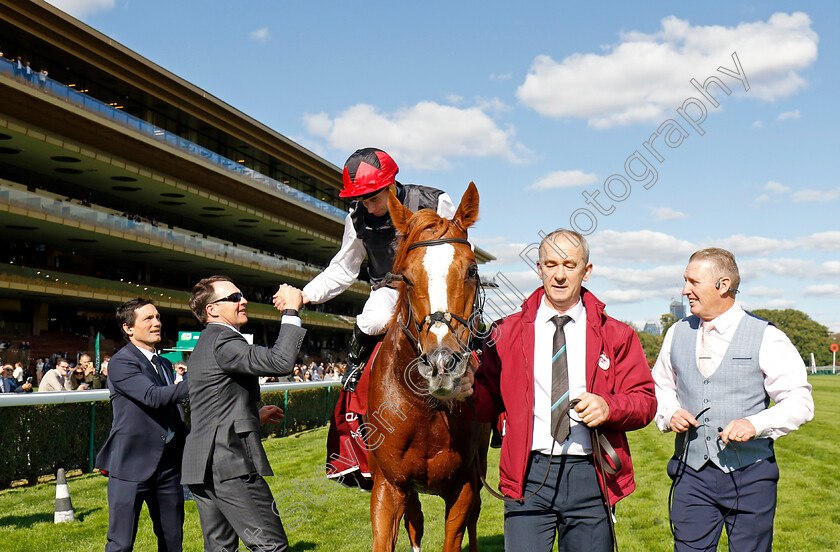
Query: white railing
{"type": "Point", "coordinates": [98, 395]}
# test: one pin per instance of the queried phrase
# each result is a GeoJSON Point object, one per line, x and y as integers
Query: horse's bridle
{"type": "Point", "coordinates": [444, 318]}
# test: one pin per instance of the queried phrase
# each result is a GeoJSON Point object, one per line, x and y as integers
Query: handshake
{"type": "Point", "coordinates": [289, 297]}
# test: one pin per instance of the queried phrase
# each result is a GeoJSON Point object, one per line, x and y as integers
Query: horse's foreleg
{"type": "Point", "coordinates": [414, 521]}
{"type": "Point", "coordinates": [387, 505]}
{"type": "Point", "coordinates": [472, 522]}
{"type": "Point", "coordinates": [461, 508]}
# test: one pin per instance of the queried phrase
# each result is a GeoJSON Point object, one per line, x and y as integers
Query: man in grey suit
{"type": "Point", "coordinates": [224, 461]}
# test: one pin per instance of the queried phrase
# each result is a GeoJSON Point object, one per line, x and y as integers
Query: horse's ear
{"type": "Point", "coordinates": [399, 213]}
{"type": "Point", "coordinates": [467, 212]}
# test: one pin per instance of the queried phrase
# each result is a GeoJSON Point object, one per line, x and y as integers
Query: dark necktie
{"type": "Point", "coordinates": [559, 381]}
{"type": "Point", "coordinates": [160, 369]}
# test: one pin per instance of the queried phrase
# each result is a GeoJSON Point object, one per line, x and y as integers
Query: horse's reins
{"type": "Point", "coordinates": [600, 447]}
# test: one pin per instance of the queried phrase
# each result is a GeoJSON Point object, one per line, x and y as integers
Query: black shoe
{"type": "Point", "coordinates": [350, 378]}
{"type": "Point", "coordinates": [496, 438]}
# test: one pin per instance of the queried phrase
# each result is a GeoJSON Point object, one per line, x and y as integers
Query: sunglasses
{"type": "Point", "coordinates": [232, 298]}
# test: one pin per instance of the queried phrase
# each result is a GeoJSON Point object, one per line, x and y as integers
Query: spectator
{"type": "Point", "coordinates": [8, 384]}
{"type": "Point", "coordinates": [18, 372]}
{"type": "Point", "coordinates": [39, 370]}
{"type": "Point", "coordinates": [103, 371]}
{"type": "Point", "coordinates": [298, 374]}
{"type": "Point", "coordinates": [57, 379]}
{"type": "Point", "coordinates": [180, 370]}
{"type": "Point", "coordinates": [92, 379]}
{"type": "Point", "coordinates": [77, 379]}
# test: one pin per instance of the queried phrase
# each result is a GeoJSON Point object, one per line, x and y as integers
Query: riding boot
{"type": "Point", "coordinates": [361, 347]}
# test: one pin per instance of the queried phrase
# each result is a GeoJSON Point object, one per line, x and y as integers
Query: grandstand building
{"type": "Point", "coordinates": [119, 179]}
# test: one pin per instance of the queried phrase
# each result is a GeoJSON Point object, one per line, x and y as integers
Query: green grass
{"type": "Point", "coordinates": [807, 518]}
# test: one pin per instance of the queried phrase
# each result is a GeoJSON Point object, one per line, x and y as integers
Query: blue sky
{"type": "Point", "coordinates": [539, 102]}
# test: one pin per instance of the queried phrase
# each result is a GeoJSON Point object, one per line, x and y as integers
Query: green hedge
{"type": "Point", "coordinates": [36, 440]}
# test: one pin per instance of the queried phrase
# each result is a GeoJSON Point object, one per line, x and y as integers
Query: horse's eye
{"type": "Point", "coordinates": [472, 273]}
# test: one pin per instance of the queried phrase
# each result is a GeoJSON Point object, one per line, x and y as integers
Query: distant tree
{"type": "Point", "coordinates": [808, 336]}
{"type": "Point", "coordinates": [667, 320]}
{"type": "Point", "coordinates": [651, 344]}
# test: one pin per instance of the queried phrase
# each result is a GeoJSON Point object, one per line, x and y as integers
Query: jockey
{"type": "Point", "coordinates": [368, 176]}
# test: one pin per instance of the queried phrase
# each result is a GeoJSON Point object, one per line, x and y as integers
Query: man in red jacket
{"type": "Point", "coordinates": [529, 375]}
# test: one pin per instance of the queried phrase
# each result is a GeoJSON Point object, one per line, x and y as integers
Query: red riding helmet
{"type": "Point", "coordinates": [368, 170]}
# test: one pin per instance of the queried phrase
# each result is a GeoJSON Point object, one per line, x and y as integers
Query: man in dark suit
{"type": "Point", "coordinates": [224, 461]}
{"type": "Point", "coordinates": [142, 456]}
{"type": "Point", "coordinates": [8, 384]}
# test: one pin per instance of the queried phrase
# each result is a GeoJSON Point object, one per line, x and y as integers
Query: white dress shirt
{"type": "Point", "coordinates": [785, 377]}
{"type": "Point", "coordinates": [345, 265]}
{"type": "Point", "coordinates": [579, 441]}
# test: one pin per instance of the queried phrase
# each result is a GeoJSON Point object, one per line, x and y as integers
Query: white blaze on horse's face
{"type": "Point", "coordinates": [437, 262]}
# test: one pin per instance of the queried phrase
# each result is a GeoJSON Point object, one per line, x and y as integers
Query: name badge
{"type": "Point", "coordinates": [603, 362]}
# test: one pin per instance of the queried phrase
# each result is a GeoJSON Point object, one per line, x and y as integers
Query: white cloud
{"type": "Point", "coordinates": [776, 187]}
{"type": "Point", "coordinates": [788, 115]}
{"type": "Point", "coordinates": [619, 297]}
{"type": "Point", "coordinates": [81, 8]}
{"type": "Point", "coordinates": [501, 76]}
{"type": "Point", "coordinates": [763, 198]}
{"type": "Point", "coordinates": [665, 280]}
{"type": "Point", "coordinates": [824, 291]}
{"type": "Point", "coordinates": [821, 241]}
{"type": "Point", "coordinates": [802, 196]}
{"type": "Point", "coordinates": [507, 254]}
{"type": "Point", "coordinates": [426, 135]}
{"type": "Point", "coordinates": [750, 246]}
{"type": "Point", "coordinates": [763, 291]}
{"type": "Point", "coordinates": [563, 179]}
{"type": "Point", "coordinates": [753, 269]}
{"type": "Point", "coordinates": [638, 247]}
{"type": "Point", "coordinates": [757, 124]}
{"type": "Point", "coordinates": [666, 213]}
{"type": "Point", "coordinates": [260, 35]}
{"type": "Point", "coordinates": [644, 75]}
{"type": "Point", "coordinates": [769, 304]}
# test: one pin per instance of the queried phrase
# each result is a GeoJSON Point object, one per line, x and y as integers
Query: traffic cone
{"type": "Point", "coordinates": [63, 505]}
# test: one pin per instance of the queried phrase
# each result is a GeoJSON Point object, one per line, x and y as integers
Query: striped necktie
{"type": "Point", "coordinates": [559, 381]}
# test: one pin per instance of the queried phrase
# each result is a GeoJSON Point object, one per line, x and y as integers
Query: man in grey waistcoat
{"type": "Point", "coordinates": [224, 462]}
{"type": "Point", "coordinates": [715, 376]}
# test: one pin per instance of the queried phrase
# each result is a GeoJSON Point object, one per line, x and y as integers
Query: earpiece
{"type": "Point", "coordinates": [717, 285]}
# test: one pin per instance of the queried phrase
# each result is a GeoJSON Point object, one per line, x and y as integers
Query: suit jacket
{"type": "Point", "coordinates": [224, 390]}
{"type": "Point", "coordinates": [14, 386]}
{"type": "Point", "coordinates": [144, 409]}
{"type": "Point", "coordinates": [50, 382]}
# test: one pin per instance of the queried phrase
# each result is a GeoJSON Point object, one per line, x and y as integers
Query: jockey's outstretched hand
{"type": "Point", "coordinates": [288, 297]}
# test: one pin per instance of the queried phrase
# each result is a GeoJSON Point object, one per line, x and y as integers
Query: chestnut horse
{"type": "Point", "coordinates": [421, 439]}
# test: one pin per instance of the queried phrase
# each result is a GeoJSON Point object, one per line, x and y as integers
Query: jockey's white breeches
{"type": "Point", "coordinates": [378, 311]}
